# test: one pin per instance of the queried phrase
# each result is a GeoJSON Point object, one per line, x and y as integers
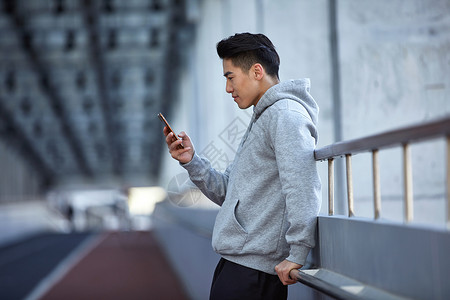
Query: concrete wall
{"type": "Point", "coordinates": [409, 261]}
{"type": "Point", "coordinates": [394, 60]}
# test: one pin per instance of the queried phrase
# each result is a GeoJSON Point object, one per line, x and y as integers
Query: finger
{"type": "Point", "coordinates": [166, 130]}
{"type": "Point", "coordinates": [289, 282]}
{"type": "Point", "coordinates": [181, 155]}
{"type": "Point", "coordinates": [185, 138]}
{"type": "Point", "coordinates": [284, 277]}
{"type": "Point", "coordinates": [170, 138]}
{"type": "Point", "coordinates": [175, 145]}
{"type": "Point", "coordinates": [293, 274]}
{"type": "Point", "coordinates": [177, 148]}
{"type": "Point", "coordinates": [286, 280]}
{"type": "Point", "coordinates": [178, 153]}
{"type": "Point", "coordinates": [183, 135]}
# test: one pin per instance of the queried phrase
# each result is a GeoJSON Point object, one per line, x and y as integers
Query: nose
{"type": "Point", "coordinates": [228, 87]}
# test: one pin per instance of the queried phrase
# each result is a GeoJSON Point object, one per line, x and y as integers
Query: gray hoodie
{"type": "Point", "coordinates": [270, 193]}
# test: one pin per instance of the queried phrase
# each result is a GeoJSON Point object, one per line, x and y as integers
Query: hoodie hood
{"type": "Point", "coordinates": [297, 90]}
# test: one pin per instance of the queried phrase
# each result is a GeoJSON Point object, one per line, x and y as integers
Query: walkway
{"type": "Point", "coordinates": [121, 266]}
{"type": "Point", "coordinates": [87, 266]}
{"type": "Point", "coordinates": [25, 263]}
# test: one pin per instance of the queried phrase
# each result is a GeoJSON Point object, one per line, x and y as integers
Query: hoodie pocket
{"type": "Point", "coordinates": [229, 236]}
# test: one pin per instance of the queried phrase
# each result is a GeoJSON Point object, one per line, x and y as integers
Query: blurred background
{"type": "Point", "coordinates": [82, 82]}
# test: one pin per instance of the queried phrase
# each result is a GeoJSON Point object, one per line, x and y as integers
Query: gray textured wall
{"type": "Point", "coordinates": [409, 261]}
{"type": "Point", "coordinates": [394, 59]}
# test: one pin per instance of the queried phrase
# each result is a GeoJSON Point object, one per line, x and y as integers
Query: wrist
{"type": "Point", "coordinates": [183, 163]}
{"type": "Point", "coordinates": [187, 163]}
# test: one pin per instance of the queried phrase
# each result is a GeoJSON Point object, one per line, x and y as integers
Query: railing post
{"type": "Point", "coordinates": [376, 185]}
{"type": "Point", "coordinates": [348, 163]}
{"type": "Point", "coordinates": [448, 182]}
{"type": "Point", "coordinates": [330, 186]}
{"type": "Point", "coordinates": [407, 175]}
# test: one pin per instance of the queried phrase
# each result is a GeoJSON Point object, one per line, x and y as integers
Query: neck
{"type": "Point", "coordinates": [267, 83]}
{"type": "Point", "coordinates": [270, 82]}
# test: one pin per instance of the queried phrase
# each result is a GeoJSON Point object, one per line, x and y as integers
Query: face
{"type": "Point", "coordinates": [243, 86]}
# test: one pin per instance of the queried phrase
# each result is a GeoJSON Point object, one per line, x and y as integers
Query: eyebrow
{"type": "Point", "coordinates": [227, 73]}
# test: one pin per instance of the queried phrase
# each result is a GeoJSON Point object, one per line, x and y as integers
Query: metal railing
{"type": "Point", "coordinates": [401, 137]}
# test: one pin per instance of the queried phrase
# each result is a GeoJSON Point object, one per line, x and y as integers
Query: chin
{"type": "Point", "coordinates": [243, 106]}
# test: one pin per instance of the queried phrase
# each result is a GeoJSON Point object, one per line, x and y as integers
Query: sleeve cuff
{"type": "Point", "coordinates": [194, 166]}
{"type": "Point", "coordinates": [298, 254]}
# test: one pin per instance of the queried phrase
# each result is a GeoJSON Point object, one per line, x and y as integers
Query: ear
{"type": "Point", "coordinates": [258, 71]}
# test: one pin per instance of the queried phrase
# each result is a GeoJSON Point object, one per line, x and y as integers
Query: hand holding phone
{"type": "Point", "coordinates": [161, 117]}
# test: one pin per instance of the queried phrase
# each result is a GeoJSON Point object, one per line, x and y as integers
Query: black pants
{"type": "Point", "coordinates": [235, 282]}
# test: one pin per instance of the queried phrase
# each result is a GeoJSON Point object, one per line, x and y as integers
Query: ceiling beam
{"type": "Point", "coordinates": [91, 17]}
{"type": "Point", "coordinates": [15, 136]}
{"type": "Point", "coordinates": [180, 33]}
{"type": "Point", "coordinates": [44, 79]}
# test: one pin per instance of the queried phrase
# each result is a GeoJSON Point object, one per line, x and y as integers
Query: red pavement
{"type": "Point", "coordinates": [123, 266]}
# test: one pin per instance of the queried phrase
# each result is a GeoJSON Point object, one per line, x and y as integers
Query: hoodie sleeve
{"type": "Point", "coordinates": [211, 182]}
{"type": "Point", "coordinates": [293, 139]}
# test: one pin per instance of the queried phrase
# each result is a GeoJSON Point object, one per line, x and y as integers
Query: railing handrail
{"type": "Point", "coordinates": [400, 137]}
{"type": "Point", "coordinates": [337, 286]}
{"type": "Point", "coordinates": [386, 139]}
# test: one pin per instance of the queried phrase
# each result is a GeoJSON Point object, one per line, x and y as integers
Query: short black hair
{"type": "Point", "coordinates": [246, 49]}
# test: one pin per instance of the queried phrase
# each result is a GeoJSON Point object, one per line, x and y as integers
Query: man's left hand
{"type": "Point", "coordinates": [283, 270]}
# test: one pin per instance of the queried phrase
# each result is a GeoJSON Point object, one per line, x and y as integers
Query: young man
{"type": "Point", "coordinates": [270, 193]}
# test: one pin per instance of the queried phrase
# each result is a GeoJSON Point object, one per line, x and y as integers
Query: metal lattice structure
{"type": "Point", "coordinates": [81, 83]}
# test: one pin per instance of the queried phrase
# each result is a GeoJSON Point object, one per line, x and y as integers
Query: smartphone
{"type": "Point", "coordinates": [161, 117]}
